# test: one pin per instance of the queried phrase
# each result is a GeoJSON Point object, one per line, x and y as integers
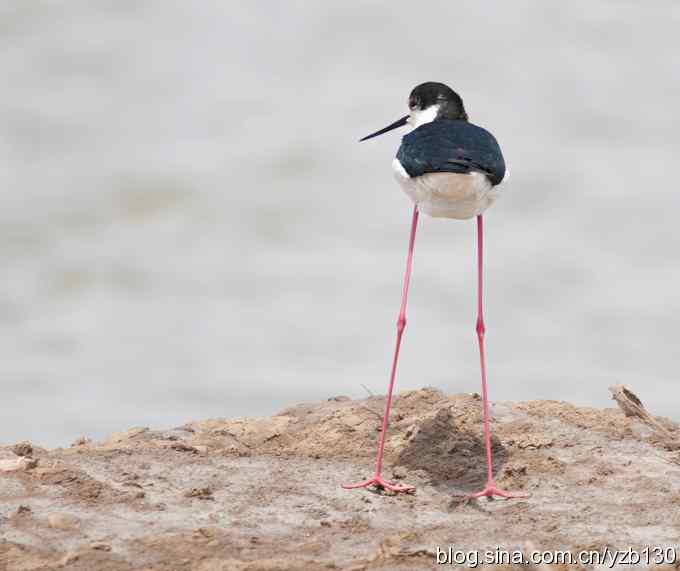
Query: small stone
{"type": "Point", "coordinates": [19, 465]}
{"type": "Point", "coordinates": [23, 511]}
{"type": "Point", "coordinates": [411, 432]}
{"type": "Point", "coordinates": [100, 546]}
{"type": "Point", "coordinates": [199, 493]}
{"type": "Point", "coordinates": [339, 398]}
{"type": "Point", "coordinates": [179, 446]}
{"type": "Point", "coordinates": [63, 521]}
{"type": "Point", "coordinates": [69, 558]}
{"type": "Point", "coordinates": [82, 441]}
{"type": "Point", "coordinates": [204, 532]}
{"type": "Point", "coordinates": [399, 472]}
{"type": "Point", "coordinates": [24, 448]}
{"type": "Point", "coordinates": [27, 463]}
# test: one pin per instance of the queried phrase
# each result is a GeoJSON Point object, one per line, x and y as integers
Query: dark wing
{"type": "Point", "coordinates": [446, 145]}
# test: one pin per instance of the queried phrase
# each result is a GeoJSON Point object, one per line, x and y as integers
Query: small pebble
{"type": "Point", "coordinates": [23, 448]}
{"type": "Point", "coordinates": [399, 472]}
{"type": "Point", "coordinates": [19, 465]}
{"type": "Point", "coordinates": [69, 558]}
{"type": "Point", "coordinates": [199, 493]}
{"type": "Point", "coordinates": [63, 521]}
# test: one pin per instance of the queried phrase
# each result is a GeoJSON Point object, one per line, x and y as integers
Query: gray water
{"type": "Point", "coordinates": [189, 228]}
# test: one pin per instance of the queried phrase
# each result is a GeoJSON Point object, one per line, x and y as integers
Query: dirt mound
{"type": "Point", "coordinates": [264, 494]}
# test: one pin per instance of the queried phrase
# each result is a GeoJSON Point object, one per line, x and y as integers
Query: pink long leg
{"type": "Point", "coordinates": [490, 490]}
{"type": "Point", "coordinates": [377, 480]}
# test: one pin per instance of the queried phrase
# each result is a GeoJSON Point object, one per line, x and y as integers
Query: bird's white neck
{"type": "Point", "coordinates": [419, 117]}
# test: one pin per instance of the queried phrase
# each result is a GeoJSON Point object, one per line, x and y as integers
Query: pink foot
{"type": "Point", "coordinates": [492, 491]}
{"type": "Point", "coordinates": [379, 483]}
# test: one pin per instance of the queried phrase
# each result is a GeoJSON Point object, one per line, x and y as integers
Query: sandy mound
{"type": "Point", "coordinates": [263, 494]}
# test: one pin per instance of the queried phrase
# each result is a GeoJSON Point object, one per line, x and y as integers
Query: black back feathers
{"type": "Point", "coordinates": [456, 146]}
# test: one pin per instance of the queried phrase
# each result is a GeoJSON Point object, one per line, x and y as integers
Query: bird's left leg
{"type": "Point", "coordinates": [490, 490]}
{"type": "Point", "coordinates": [377, 480]}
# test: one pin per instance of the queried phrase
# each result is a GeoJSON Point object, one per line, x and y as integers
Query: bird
{"type": "Point", "coordinates": [449, 168]}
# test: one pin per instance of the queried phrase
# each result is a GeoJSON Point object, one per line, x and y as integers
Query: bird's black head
{"type": "Point", "coordinates": [449, 103]}
{"type": "Point", "coordinates": [427, 102]}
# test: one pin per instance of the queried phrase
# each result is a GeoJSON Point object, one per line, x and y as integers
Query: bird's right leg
{"type": "Point", "coordinates": [490, 490]}
{"type": "Point", "coordinates": [377, 479]}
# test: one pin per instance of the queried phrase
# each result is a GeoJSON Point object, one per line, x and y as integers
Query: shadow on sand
{"type": "Point", "coordinates": [452, 456]}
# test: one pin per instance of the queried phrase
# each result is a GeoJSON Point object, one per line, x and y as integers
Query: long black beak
{"type": "Point", "coordinates": [394, 125]}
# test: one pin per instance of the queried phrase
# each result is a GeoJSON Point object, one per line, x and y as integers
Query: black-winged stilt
{"type": "Point", "coordinates": [449, 168]}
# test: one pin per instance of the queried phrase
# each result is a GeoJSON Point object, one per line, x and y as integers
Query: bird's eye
{"type": "Point", "coordinates": [412, 104]}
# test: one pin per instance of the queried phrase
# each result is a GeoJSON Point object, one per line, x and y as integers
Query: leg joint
{"type": "Point", "coordinates": [480, 326]}
{"type": "Point", "coordinates": [401, 323]}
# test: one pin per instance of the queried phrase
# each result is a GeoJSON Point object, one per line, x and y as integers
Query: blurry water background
{"type": "Point", "coordinates": [189, 228]}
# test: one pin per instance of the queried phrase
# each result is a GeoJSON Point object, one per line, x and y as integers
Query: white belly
{"type": "Point", "coordinates": [446, 194]}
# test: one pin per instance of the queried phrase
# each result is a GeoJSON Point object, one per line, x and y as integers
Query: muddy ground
{"type": "Point", "coordinates": [264, 494]}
